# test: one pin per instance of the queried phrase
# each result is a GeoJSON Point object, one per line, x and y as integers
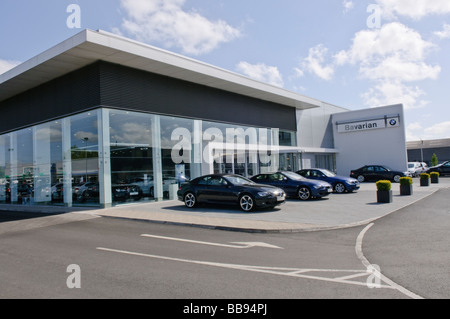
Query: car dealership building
{"type": "Point", "coordinates": [100, 120]}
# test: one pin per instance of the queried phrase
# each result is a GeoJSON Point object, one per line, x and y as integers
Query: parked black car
{"type": "Point", "coordinates": [230, 189]}
{"type": "Point", "coordinates": [88, 191]}
{"type": "Point", "coordinates": [125, 192]}
{"type": "Point", "coordinates": [442, 169]}
{"type": "Point", "coordinates": [376, 173]}
{"type": "Point", "coordinates": [57, 192]}
{"type": "Point", "coordinates": [295, 185]}
{"type": "Point", "coordinates": [120, 192]}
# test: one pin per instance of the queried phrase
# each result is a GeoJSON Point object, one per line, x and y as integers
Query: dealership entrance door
{"type": "Point", "coordinates": [249, 165]}
{"type": "Point", "coordinates": [290, 162]}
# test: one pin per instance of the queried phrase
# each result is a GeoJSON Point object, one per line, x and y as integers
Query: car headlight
{"type": "Point", "coordinates": [263, 194]}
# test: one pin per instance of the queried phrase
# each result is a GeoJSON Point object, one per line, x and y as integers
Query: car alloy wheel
{"type": "Point", "coordinates": [190, 200]}
{"type": "Point", "coordinates": [247, 203]}
{"type": "Point", "coordinates": [304, 193]}
{"type": "Point", "coordinates": [397, 178]}
{"type": "Point", "coordinates": [152, 192]}
{"type": "Point", "coordinates": [339, 188]}
{"type": "Point", "coordinates": [361, 178]}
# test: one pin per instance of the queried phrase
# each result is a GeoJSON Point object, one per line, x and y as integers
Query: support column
{"type": "Point", "coordinates": [42, 164]}
{"type": "Point", "coordinates": [157, 158]}
{"type": "Point", "coordinates": [13, 170]}
{"type": "Point", "coordinates": [197, 150]}
{"type": "Point", "coordinates": [67, 162]}
{"type": "Point", "coordinates": [104, 158]}
{"type": "Point", "coordinates": [275, 149]}
{"type": "Point", "coordinates": [2, 169]}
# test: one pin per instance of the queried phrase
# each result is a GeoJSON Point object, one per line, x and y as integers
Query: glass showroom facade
{"type": "Point", "coordinates": [108, 156]}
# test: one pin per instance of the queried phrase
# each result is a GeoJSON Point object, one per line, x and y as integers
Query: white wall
{"type": "Point", "coordinates": [314, 127]}
{"type": "Point", "coordinates": [382, 146]}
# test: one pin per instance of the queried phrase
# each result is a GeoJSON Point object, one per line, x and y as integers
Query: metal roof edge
{"type": "Point", "coordinates": [175, 65]}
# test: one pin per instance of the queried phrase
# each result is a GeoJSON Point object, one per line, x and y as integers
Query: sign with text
{"type": "Point", "coordinates": [366, 125]}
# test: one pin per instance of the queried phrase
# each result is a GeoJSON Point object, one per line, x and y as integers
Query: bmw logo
{"type": "Point", "coordinates": [393, 122]}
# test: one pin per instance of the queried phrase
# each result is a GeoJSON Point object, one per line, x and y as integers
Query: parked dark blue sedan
{"type": "Point", "coordinates": [340, 184]}
{"type": "Point", "coordinates": [295, 185]}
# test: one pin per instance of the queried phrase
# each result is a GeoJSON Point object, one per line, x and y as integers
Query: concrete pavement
{"type": "Point", "coordinates": [336, 211]}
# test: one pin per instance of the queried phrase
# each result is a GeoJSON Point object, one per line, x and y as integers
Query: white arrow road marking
{"type": "Point", "coordinates": [290, 272]}
{"type": "Point", "coordinates": [236, 245]}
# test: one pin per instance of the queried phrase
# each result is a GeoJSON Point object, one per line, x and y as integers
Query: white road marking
{"type": "Point", "coordinates": [236, 245]}
{"type": "Point", "coordinates": [349, 278]}
{"type": "Point", "coordinates": [367, 264]}
{"type": "Point", "coordinates": [290, 272]}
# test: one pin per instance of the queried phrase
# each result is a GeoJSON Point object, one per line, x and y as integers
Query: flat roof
{"type": "Point", "coordinates": [89, 46]}
{"type": "Point", "coordinates": [440, 143]}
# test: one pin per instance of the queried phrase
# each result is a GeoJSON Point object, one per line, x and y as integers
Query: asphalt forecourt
{"type": "Point", "coordinates": [335, 211]}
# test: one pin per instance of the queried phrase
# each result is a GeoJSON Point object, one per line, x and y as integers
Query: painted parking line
{"type": "Point", "coordinates": [367, 264]}
{"type": "Point", "coordinates": [243, 245]}
{"type": "Point", "coordinates": [279, 271]}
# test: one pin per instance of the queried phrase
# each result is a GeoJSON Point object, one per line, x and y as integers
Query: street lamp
{"type": "Point", "coordinates": [421, 150]}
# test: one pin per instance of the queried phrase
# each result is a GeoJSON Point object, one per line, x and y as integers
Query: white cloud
{"type": "Point", "coordinates": [396, 68]}
{"type": "Point", "coordinates": [415, 9]}
{"type": "Point", "coordinates": [298, 73]}
{"type": "Point", "coordinates": [165, 21]}
{"type": "Point", "coordinates": [348, 5]}
{"type": "Point", "coordinates": [439, 129]}
{"type": "Point", "coordinates": [392, 39]}
{"type": "Point", "coordinates": [445, 33]}
{"type": "Point", "coordinates": [6, 65]}
{"type": "Point", "coordinates": [315, 63]}
{"type": "Point", "coordinates": [261, 72]}
{"type": "Point", "coordinates": [395, 92]}
{"type": "Point", "coordinates": [416, 132]}
{"type": "Point", "coordinates": [391, 56]}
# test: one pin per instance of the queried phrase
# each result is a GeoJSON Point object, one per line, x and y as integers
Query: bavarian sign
{"type": "Point", "coordinates": [367, 125]}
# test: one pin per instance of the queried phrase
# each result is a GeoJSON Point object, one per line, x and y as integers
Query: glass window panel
{"type": "Point", "coordinates": [10, 167]}
{"type": "Point", "coordinates": [56, 158]}
{"type": "Point", "coordinates": [84, 149]}
{"type": "Point", "coordinates": [175, 173]}
{"type": "Point", "coordinates": [48, 166]}
{"type": "Point", "coordinates": [131, 156]}
{"type": "Point", "coordinates": [25, 168]}
{"type": "Point", "coordinates": [287, 138]}
{"type": "Point", "coordinates": [3, 173]}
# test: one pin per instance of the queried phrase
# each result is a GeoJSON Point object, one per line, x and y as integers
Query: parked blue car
{"type": "Point", "coordinates": [295, 185]}
{"type": "Point", "coordinates": [341, 184]}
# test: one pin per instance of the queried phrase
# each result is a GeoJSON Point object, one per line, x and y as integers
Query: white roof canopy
{"type": "Point", "coordinates": [90, 46]}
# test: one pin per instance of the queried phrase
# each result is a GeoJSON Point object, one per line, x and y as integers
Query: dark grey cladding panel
{"type": "Point", "coordinates": [110, 85]}
{"type": "Point", "coordinates": [71, 93]}
{"type": "Point", "coordinates": [128, 88]}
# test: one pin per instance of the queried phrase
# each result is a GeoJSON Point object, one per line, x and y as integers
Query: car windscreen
{"type": "Point", "coordinates": [327, 173]}
{"type": "Point", "coordinates": [238, 180]}
{"type": "Point", "coordinates": [294, 176]}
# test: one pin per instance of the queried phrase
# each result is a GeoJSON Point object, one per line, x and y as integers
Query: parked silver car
{"type": "Point", "coordinates": [416, 168]}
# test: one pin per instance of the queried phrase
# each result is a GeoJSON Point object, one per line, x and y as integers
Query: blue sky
{"type": "Point", "coordinates": [351, 53]}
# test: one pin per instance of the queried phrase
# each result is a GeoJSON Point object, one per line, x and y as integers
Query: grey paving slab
{"type": "Point", "coordinates": [336, 211]}
{"type": "Point", "coordinates": [339, 210]}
